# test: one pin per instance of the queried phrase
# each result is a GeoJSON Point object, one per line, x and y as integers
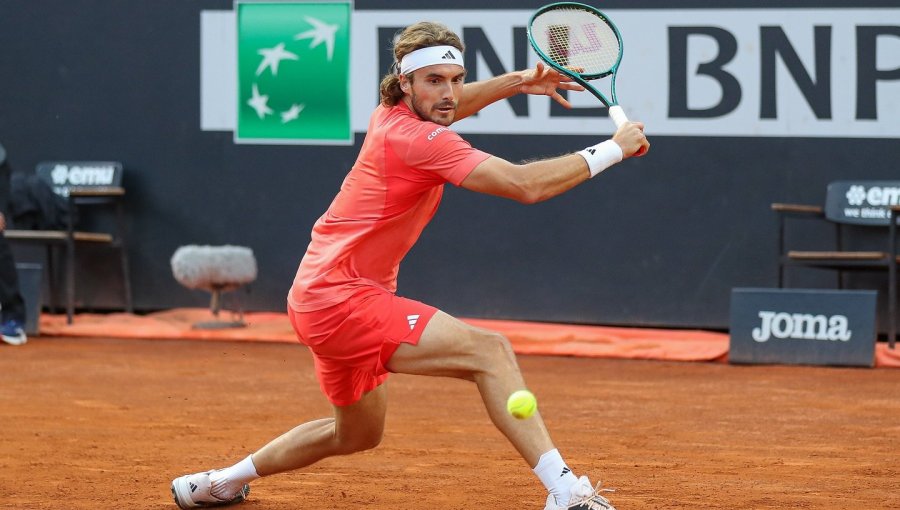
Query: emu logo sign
{"type": "Point", "coordinates": [876, 195]}
{"type": "Point", "coordinates": [64, 175]}
{"type": "Point", "coordinates": [862, 202]}
{"type": "Point", "coordinates": [801, 326]}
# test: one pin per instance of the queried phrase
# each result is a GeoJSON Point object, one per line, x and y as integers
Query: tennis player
{"type": "Point", "coordinates": [343, 303]}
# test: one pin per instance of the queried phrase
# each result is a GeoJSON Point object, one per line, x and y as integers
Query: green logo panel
{"type": "Point", "coordinates": [293, 72]}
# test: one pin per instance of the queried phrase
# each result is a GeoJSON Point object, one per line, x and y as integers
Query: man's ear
{"type": "Point", "coordinates": [404, 84]}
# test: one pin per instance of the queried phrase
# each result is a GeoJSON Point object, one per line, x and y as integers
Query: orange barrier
{"type": "Point", "coordinates": [170, 324]}
{"type": "Point", "coordinates": [610, 342]}
{"type": "Point", "coordinates": [526, 337]}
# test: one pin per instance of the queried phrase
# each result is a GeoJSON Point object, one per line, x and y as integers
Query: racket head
{"type": "Point", "coordinates": [569, 35]}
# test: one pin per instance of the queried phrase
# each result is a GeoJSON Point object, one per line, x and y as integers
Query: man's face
{"type": "Point", "coordinates": [434, 92]}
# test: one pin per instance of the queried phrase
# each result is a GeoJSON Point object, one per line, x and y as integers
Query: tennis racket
{"type": "Point", "coordinates": [582, 43]}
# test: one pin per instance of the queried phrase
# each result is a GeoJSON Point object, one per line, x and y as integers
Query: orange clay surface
{"type": "Point", "coordinates": [90, 423]}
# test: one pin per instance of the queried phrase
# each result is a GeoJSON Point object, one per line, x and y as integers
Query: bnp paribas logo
{"type": "Point", "coordinates": [293, 72]}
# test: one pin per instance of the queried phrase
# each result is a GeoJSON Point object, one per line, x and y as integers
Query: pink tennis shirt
{"type": "Point", "coordinates": [385, 202]}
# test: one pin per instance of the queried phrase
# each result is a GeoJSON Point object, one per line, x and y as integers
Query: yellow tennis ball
{"type": "Point", "coordinates": [521, 404]}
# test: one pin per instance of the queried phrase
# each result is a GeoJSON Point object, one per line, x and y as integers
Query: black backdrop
{"type": "Point", "coordinates": [657, 241]}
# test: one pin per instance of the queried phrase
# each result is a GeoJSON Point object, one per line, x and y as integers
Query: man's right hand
{"type": "Point", "coordinates": [630, 137]}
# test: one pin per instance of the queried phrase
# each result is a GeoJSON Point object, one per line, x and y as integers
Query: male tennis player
{"type": "Point", "coordinates": [343, 304]}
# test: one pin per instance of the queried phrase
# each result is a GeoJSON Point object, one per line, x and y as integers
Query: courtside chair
{"type": "Point", "coordinates": [90, 188]}
{"type": "Point", "coordinates": [849, 204]}
{"type": "Point", "coordinates": [895, 261]}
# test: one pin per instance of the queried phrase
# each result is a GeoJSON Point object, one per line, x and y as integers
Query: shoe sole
{"type": "Point", "coordinates": [592, 505]}
{"type": "Point", "coordinates": [180, 485]}
{"type": "Point", "coordinates": [15, 340]}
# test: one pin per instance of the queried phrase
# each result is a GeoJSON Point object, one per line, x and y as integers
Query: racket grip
{"type": "Point", "coordinates": [617, 114]}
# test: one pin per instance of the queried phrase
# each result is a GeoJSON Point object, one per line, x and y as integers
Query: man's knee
{"type": "Point", "coordinates": [360, 440]}
{"type": "Point", "coordinates": [496, 349]}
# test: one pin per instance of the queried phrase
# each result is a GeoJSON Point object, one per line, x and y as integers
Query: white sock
{"type": "Point", "coordinates": [227, 482]}
{"type": "Point", "coordinates": [555, 475]}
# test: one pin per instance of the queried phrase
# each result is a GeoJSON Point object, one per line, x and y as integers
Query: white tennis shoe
{"type": "Point", "coordinates": [193, 491]}
{"type": "Point", "coordinates": [584, 497]}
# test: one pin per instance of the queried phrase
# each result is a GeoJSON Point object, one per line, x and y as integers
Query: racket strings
{"type": "Point", "coordinates": [577, 39]}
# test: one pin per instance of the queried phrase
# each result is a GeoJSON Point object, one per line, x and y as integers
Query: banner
{"type": "Point", "coordinates": [293, 69]}
{"type": "Point", "coordinates": [811, 72]}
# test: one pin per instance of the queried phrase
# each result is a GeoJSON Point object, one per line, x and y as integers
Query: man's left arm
{"type": "Point", "coordinates": [541, 80]}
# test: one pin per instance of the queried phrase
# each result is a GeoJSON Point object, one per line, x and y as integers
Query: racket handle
{"type": "Point", "coordinates": [617, 114]}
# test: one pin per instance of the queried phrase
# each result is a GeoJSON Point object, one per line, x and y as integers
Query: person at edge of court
{"type": "Point", "coordinates": [343, 304]}
{"type": "Point", "coordinates": [12, 305]}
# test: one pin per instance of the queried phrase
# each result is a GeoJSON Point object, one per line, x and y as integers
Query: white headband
{"type": "Point", "coordinates": [430, 56]}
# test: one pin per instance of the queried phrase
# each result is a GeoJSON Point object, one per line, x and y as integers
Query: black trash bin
{"type": "Point", "coordinates": [30, 276]}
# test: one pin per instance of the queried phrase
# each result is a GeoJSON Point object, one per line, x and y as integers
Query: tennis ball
{"type": "Point", "coordinates": [521, 404]}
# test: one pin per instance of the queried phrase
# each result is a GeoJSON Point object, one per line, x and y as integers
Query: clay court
{"type": "Point", "coordinates": [107, 423]}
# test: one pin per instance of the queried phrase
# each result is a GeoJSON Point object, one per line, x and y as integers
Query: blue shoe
{"type": "Point", "coordinates": [13, 333]}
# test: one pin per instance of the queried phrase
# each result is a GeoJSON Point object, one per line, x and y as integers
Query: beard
{"type": "Point", "coordinates": [431, 113]}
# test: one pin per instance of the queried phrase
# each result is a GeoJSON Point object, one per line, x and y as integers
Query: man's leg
{"type": "Point", "coordinates": [451, 348]}
{"type": "Point", "coordinates": [12, 317]}
{"type": "Point", "coordinates": [356, 427]}
{"type": "Point", "coordinates": [10, 297]}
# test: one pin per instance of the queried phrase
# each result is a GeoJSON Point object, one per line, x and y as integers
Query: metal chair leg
{"type": "Point", "coordinates": [892, 279]}
{"type": "Point", "coordinates": [892, 305]}
{"type": "Point", "coordinates": [123, 251]}
{"type": "Point", "coordinates": [53, 302]}
{"type": "Point", "coordinates": [70, 261]}
{"type": "Point", "coordinates": [70, 280]}
{"type": "Point", "coordinates": [839, 244]}
{"type": "Point", "coordinates": [780, 252]}
{"type": "Point", "coordinates": [126, 280]}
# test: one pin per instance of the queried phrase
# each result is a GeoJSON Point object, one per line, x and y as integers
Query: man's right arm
{"type": "Point", "coordinates": [537, 181]}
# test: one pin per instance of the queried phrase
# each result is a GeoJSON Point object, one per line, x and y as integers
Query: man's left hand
{"type": "Point", "coordinates": [544, 81]}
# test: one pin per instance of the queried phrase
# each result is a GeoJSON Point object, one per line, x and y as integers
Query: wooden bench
{"type": "Point", "coordinates": [83, 184]}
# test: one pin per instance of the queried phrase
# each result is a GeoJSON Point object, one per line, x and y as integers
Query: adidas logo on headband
{"type": "Point", "coordinates": [430, 56]}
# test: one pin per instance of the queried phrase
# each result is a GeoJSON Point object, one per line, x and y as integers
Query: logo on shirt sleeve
{"type": "Point", "coordinates": [433, 134]}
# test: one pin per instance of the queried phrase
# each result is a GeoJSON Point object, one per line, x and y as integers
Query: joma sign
{"type": "Point", "coordinates": [803, 326]}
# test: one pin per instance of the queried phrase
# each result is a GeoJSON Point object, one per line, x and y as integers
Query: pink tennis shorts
{"type": "Point", "coordinates": [352, 341]}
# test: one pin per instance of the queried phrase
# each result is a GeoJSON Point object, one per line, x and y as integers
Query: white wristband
{"type": "Point", "coordinates": [602, 156]}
